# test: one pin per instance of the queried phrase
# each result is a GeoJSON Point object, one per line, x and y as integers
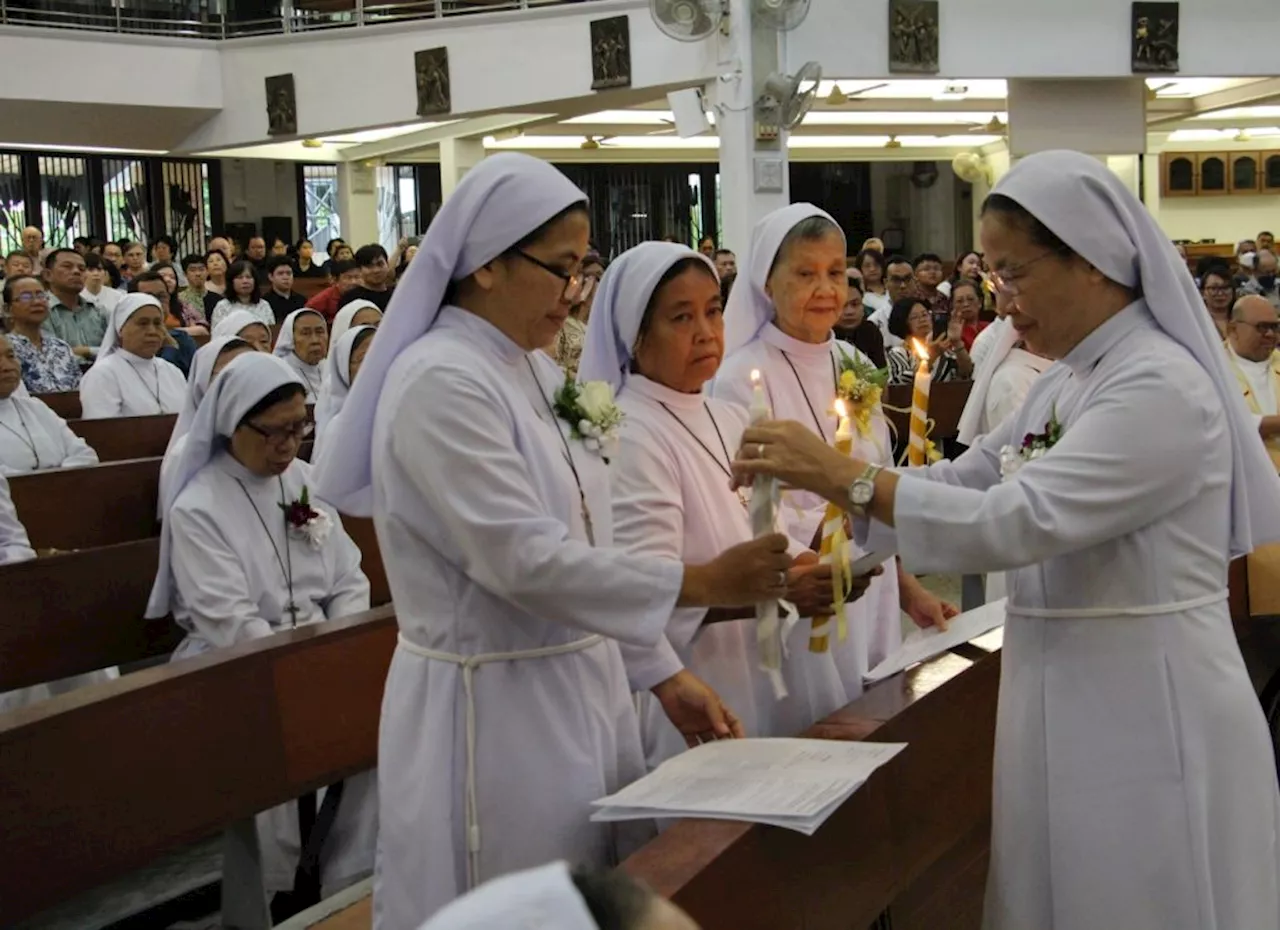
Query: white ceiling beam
{"type": "Point", "coordinates": [478, 127]}
{"type": "Point", "coordinates": [1243, 95]}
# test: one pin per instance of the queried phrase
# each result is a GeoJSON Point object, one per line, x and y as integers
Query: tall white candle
{"type": "Point", "coordinates": [764, 492]}
{"type": "Point", "coordinates": [919, 431]}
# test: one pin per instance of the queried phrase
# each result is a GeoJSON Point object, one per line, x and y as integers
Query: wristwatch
{"type": "Point", "coordinates": [863, 489]}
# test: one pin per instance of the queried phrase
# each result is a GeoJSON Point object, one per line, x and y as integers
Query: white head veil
{"type": "Point", "coordinates": [342, 321]}
{"type": "Point", "coordinates": [198, 382]}
{"type": "Point", "coordinates": [1006, 337]}
{"type": "Point", "coordinates": [1086, 206]}
{"type": "Point", "coordinates": [241, 384]}
{"type": "Point", "coordinates": [616, 314]}
{"type": "Point", "coordinates": [750, 309]}
{"type": "Point", "coordinates": [127, 307]}
{"type": "Point", "coordinates": [336, 387]}
{"type": "Point", "coordinates": [544, 898]}
{"type": "Point", "coordinates": [236, 320]}
{"type": "Point", "coordinates": [498, 203]}
{"type": "Point", "coordinates": [284, 341]}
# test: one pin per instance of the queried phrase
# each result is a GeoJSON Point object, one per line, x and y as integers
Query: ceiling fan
{"type": "Point", "coordinates": [670, 129]}
{"type": "Point", "coordinates": [1154, 92]}
{"type": "Point", "coordinates": [838, 98]}
{"type": "Point", "coordinates": [591, 143]}
{"type": "Point", "coordinates": [893, 143]}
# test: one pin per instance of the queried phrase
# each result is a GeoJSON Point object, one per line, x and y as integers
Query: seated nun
{"type": "Point", "coordinates": [14, 544]}
{"type": "Point", "coordinates": [32, 436]}
{"type": "Point", "coordinates": [657, 334]}
{"type": "Point", "coordinates": [246, 326]}
{"type": "Point", "coordinates": [356, 313]}
{"type": "Point", "coordinates": [303, 343]}
{"type": "Point", "coordinates": [246, 551]}
{"type": "Point", "coordinates": [562, 900]}
{"type": "Point", "coordinates": [210, 359]}
{"type": "Point", "coordinates": [128, 380]}
{"type": "Point", "coordinates": [342, 366]}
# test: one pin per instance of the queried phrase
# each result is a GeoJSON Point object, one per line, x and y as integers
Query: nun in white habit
{"type": "Point", "coordinates": [303, 343]}
{"type": "Point", "coordinates": [32, 436]}
{"type": "Point", "coordinates": [128, 379]}
{"type": "Point", "coordinates": [1135, 783]}
{"type": "Point", "coordinates": [236, 565]}
{"type": "Point", "coordinates": [14, 544]}
{"type": "Point", "coordinates": [778, 322]}
{"type": "Point", "coordinates": [341, 367]}
{"type": "Point", "coordinates": [248, 327]}
{"type": "Point", "coordinates": [357, 313]}
{"type": "Point", "coordinates": [656, 336]}
{"type": "Point", "coordinates": [507, 708]}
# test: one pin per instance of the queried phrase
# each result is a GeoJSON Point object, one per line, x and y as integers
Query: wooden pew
{"type": "Point", "coordinates": [79, 508]}
{"type": "Point", "coordinates": [75, 613]}
{"type": "Point", "coordinates": [946, 403]}
{"type": "Point", "coordinates": [126, 437]}
{"type": "Point", "coordinates": [100, 782]}
{"type": "Point", "coordinates": [65, 404]}
{"type": "Point", "coordinates": [362, 533]}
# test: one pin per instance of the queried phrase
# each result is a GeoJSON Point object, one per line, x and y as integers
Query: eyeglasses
{"type": "Point", "coordinates": [1218, 289]}
{"type": "Point", "coordinates": [281, 435]}
{"type": "Point", "coordinates": [1264, 329]}
{"type": "Point", "coordinates": [573, 283]}
{"type": "Point", "coordinates": [30, 296]}
{"type": "Point", "coordinates": [900, 278]}
{"type": "Point", "coordinates": [1005, 281]}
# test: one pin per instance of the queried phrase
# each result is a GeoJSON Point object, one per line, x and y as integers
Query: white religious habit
{"type": "Point", "coordinates": [672, 500]}
{"type": "Point", "coordinates": [34, 438]}
{"type": "Point", "coordinates": [14, 544]}
{"type": "Point", "coordinates": [881, 318]}
{"type": "Point", "coordinates": [121, 384]}
{"type": "Point", "coordinates": [342, 320]}
{"type": "Point", "coordinates": [800, 381]}
{"type": "Point", "coordinates": [1135, 784]}
{"type": "Point", "coordinates": [233, 569]}
{"type": "Point", "coordinates": [313, 376]}
{"type": "Point", "coordinates": [1011, 382]}
{"type": "Point", "coordinates": [544, 898]}
{"type": "Point", "coordinates": [507, 708]}
{"type": "Point", "coordinates": [234, 323]}
{"type": "Point", "coordinates": [337, 380]}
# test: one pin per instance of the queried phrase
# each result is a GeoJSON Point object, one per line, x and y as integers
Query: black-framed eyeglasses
{"type": "Point", "coordinates": [1264, 329]}
{"type": "Point", "coordinates": [573, 283]}
{"type": "Point", "coordinates": [281, 435]}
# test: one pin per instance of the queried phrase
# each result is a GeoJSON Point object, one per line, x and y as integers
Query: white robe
{"type": "Point", "coordinates": [874, 620]}
{"type": "Point", "coordinates": [986, 340]}
{"type": "Point", "coordinates": [672, 501]}
{"type": "Point", "coordinates": [229, 588]}
{"type": "Point", "coordinates": [26, 422]}
{"type": "Point", "coordinates": [14, 544]}
{"type": "Point", "coordinates": [125, 385]}
{"type": "Point", "coordinates": [1009, 386]}
{"type": "Point", "coordinates": [482, 534]}
{"type": "Point", "coordinates": [313, 376]}
{"type": "Point", "coordinates": [1135, 784]}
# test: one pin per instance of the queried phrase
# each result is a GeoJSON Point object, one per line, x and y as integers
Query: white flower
{"type": "Point", "coordinates": [592, 443]}
{"type": "Point", "coordinates": [584, 427]}
{"type": "Point", "coordinates": [596, 401]}
{"type": "Point", "coordinates": [317, 529]}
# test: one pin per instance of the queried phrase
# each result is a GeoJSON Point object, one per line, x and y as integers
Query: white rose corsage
{"type": "Point", "coordinates": [306, 522]}
{"type": "Point", "coordinates": [589, 410]}
{"type": "Point", "coordinates": [1034, 446]}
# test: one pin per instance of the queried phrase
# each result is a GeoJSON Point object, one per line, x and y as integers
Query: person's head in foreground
{"type": "Point", "coordinates": [1253, 328]}
{"type": "Point", "coordinates": [553, 898]}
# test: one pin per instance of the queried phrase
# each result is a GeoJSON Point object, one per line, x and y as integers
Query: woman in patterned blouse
{"type": "Point", "coordinates": [912, 321]}
{"type": "Point", "coordinates": [48, 364]}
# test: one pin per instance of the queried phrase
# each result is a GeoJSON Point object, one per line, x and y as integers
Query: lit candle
{"type": "Point", "coordinates": [764, 492]}
{"type": "Point", "coordinates": [834, 543]}
{"type": "Point", "coordinates": [919, 434]}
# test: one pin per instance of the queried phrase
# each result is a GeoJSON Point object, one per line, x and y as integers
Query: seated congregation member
{"type": "Point", "coordinates": [341, 368]}
{"type": "Point", "coordinates": [71, 318]}
{"type": "Point", "coordinates": [1219, 295]}
{"type": "Point", "coordinates": [212, 357]}
{"type": "Point", "coordinates": [14, 544]}
{"type": "Point", "coordinates": [949, 360]}
{"type": "Point", "coordinates": [303, 343]}
{"type": "Point", "coordinates": [854, 328]}
{"type": "Point", "coordinates": [779, 322]}
{"type": "Point", "coordinates": [194, 294]}
{"type": "Point", "coordinates": [48, 364]}
{"type": "Point", "coordinates": [375, 276]}
{"type": "Point", "coordinates": [1135, 777]}
{"type": "Point", "coordinates": [247, 550]}
{"type": "Point", "coordinates": [356, 313]}
{"type": "Point", "coordinates": [129, 380]}
{"type": "Point", "coordinates": [345, 275]}
{"type": "Point", "coordinates": [101, 283]}
{"type": "Point", "coordinates": [927, 269]}
{"type": "Point", "coordinates": [32, 436]}
{"type": "Point", "coordinates": [305, 266]}
{"type": "Point", "coordinates": [244, 292]}
{"type": "Point", "coordinates": [966, 304]}
{"type": "Point", "coordinates": [216, 264]}
{"type": "Point", "coordinates": [657, 336]}
{"type": "Point", "coordinates": [494, 523]}
{"type": "Point", "coordinates": [280, 293]}
{"type": "Point", "coordinates": [246, 326]}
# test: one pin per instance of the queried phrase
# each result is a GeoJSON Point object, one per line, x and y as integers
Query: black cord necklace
{"type": "Point", "coordinates": [723, 466]}
{"type": "Point", "coordinates": [285, 563]}
{"type": "Point", "coordinates": [835, 380]}
{"type": "Point", "coordinates": [568, 453]}
{"type": "Point", "coordinates": [29, 441]}
{"type": "Point", "coordinates": [156, 392]}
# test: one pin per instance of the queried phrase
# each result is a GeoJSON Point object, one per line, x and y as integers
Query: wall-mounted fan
{"type": "Point", "coordinates": [970, 167]}
{"type": "Point", "coordinates": [690, 20]}
{"type": "Point", "coordinates": [786, 98]}
{"type": "Point", "coordinates": [782, 15]}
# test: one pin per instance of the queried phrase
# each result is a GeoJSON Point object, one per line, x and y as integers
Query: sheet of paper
{"type": "Point", "coordinates": [925, 644]}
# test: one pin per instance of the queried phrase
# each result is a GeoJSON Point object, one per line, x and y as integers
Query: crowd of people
{"type": "Point", "coordinates": [556, 452]}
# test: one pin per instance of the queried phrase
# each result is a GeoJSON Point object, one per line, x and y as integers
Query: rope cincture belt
{"type": "Point", "coordinates": [1101, 613]}
{"type": "Point", "coordinates": [469, 664]}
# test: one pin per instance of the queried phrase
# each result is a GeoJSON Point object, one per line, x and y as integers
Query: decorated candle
{"type": "Point", "coordinates": [919, 434]}
{"type": "Point", "coordinates": [764, 493]}
{"type": "Point", "coordinates": [835, 546]}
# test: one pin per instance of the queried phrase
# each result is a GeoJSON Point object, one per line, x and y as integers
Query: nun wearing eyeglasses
{"type": "Point", "coordinates": [656, 336]}
{"type": "Point", "coordinates": [129, 379]}
{"type": "Point", "coordinates": [1135, 783]}
{"type": "Point", "coordinates": [303, 343]}
{"type": "Point", "coordinates": [508, 705]}
{"type": "Point", "coordinates": [247, 550]}
{"type": "Point", "coordinates": [780, 322]}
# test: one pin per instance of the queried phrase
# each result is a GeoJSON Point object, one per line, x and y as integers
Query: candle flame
{"type": "Point", "coordinates": [921, 352]}
{"type": "Point", "coordinates": [842, 410]}
{"type": "Point", "coordinates": [755, 376]}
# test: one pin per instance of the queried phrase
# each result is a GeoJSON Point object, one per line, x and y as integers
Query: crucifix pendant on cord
{"type": "Point", "coordinates": [586, 520]}
{"type": "Point", "coordinates": [292, 611]}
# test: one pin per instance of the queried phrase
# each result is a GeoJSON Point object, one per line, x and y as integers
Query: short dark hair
{"type": "Point", "coordinates": [1039, 233]}
{"type": "Point", "coordinates": [85, 240]}
{"type": "Point", "coordinates": [150, 274]}
{"type": "Point", "coordinates": [279, 261]}
{"type": "Point", "coordinates": [898, 260]}
{"type": "Point", "coordinates": [223, 255]}
{"type": "Point", "coordinates": [616, 900]}
{"type": "Point", "coordinates": [875, 255]}
{"type": "Point", "coordinates": [720, 252]}
{"type": "Point", "coordinates": [236, 270]}
{"type": "Point", "coordinates": [193, 259]}
{"type": "Point", "coordinates": [336, 240]}
{"type": "Point", "coordinates": [171, 242]}
{"type": "Point", "coordinates": [366, 255]}
{"type": "Point", "coordinates": [92, 260]}
{"type": "Point", "coordinates": [110, 267]}
{"type": "Point", "coordinates": [279, 395]}
{"type": "Point", "coordinates": [17, 253]}
{"type": "Point", "coordinates": [256, 236]}
{"type": "Point", "coordinates": [902, 308]}
{"type": "Point", "coordinates": [809, 229]}
{"type": "Point", "coordinates": [1217, 268]}
{"type": "Point", "coordinates": [1265, 232]}
{"type": "Point", "coordinates": [52, 258]}
{"type": "Point", "coordinates": [969, 283]}
{"type": "Point", "coordinates": [10, 282]}
{"type": "Point", "coordinates": [340, 266]}
{"type": "Point", "coordinates": [855, 285]}
{"type": "Point", "coordinates": [925, 257]}
{"type": "Point", "coordinates": [298, 244]}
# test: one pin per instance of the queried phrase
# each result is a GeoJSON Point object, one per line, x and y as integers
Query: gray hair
{"type": "Point", "coordinates": [809, 229]}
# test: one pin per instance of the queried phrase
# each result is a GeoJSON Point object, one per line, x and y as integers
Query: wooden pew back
{"type": "Point", "coordinates": [79, 508]}
{"type": "Point", "coordinates": [946, 404]}
{"type": "Point", "coordinates": [65, 404]}
{"type": "Point", "coordinates": [124, 438]}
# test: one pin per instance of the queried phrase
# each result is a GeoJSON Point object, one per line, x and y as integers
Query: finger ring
{"type": "Point", "coordinates": [782, 578]}
{"type": "Point", "coordinates": [759, 450]}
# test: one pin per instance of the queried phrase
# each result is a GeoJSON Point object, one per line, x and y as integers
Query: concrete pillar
{"type": "Point", "coordinates": [1100, 117]}
{"type": "Point", "coordinates": [457, 157]}
{"type": "Point", "coordinates": [358, 202]}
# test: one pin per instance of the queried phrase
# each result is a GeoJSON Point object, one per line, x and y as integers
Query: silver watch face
{"type": "Point", "coordinates": [861, 492]}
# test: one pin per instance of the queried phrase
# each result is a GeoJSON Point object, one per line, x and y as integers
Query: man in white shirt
{"type": "Point", "coordinates": [899, 280]}
{"type": "Point", "coordinates": [1262, 281]}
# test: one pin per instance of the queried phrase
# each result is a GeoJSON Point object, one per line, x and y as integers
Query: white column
{"type": "Point", "coordinates": [457, 157]}
{"type": "Point", "coordinates": [358, 202]}
{"type": "Point", "coordinates": [753, 174]}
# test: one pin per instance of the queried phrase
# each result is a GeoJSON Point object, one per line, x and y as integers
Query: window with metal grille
{"type": "Point", "coordinates": [319, 195]}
